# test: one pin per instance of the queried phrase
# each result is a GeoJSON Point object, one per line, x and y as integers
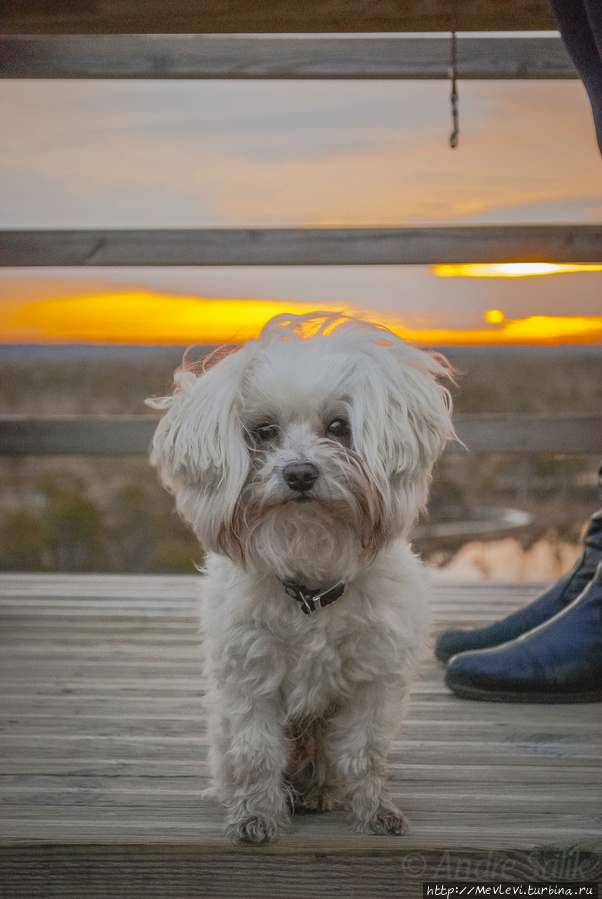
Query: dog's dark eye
{"type": "Point", "coordinates": [264, 432]}
{"type": "Point", "coordinates": [338, 428]}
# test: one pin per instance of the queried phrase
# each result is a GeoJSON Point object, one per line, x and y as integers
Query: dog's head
{"type": "Point", "coordinates": [307, 449]}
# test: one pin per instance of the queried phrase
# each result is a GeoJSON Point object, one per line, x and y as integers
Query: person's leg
{"type": "Point", "coordinates": [552, 601]}
{"type": "Point", "coordinates": [580, 23]}
{"type": "Point", "coordinates": [552, 647]}
{"type": "Point", "coordinates": [559, 661]}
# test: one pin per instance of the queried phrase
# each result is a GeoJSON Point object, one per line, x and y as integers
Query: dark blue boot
{"type": "Point", "coordinates": [559, 661]}
{"type": "Point", "coordinates": [554, 600]}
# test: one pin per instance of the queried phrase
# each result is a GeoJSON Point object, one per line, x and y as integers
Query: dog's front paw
{"type": "Point", "coordinates": [255, 830]}
{"type": "Point", "coordinates": [386, 822]}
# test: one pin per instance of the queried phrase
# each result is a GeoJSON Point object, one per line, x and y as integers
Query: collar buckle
{"type": "Point", "coordinates": [310, 600]}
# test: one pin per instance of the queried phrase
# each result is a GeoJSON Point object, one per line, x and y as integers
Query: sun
{"type": "Point", "coordinates": [494, 316]}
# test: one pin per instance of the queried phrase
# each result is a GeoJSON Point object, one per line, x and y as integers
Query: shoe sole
{"type": "Point", "coordinates": [557, 698]}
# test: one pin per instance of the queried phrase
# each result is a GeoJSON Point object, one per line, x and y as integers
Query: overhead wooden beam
{"type": "Point", "coordinates": [289, 56]}
{"type": "Point", "coordinates": [122, 435]}
{"type": "Point", "coordinates": [261, 16]}
{"type": "Point", "coordinates": [304, 246]}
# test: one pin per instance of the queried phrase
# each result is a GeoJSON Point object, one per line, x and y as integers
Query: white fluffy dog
{"type": "Point", "coordinates": [301, 462]}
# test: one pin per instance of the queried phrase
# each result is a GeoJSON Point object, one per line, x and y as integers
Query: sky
{"type": "Point", "coordinates": [102, 154]}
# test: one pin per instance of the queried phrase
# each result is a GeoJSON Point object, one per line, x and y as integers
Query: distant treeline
{"type": "Point", "coordinates": [65, 522]}
{"type": "Point", "coordinates": [103, 380]}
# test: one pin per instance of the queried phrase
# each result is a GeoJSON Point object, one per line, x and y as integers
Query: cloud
{"type": "Point", "coordinates": [145, 317]}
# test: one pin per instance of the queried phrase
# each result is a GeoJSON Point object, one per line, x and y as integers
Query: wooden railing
{"type": "Point", "coordinates": [131, 435]}
{"type": "Point", "coordinates": [282, 56]}
{"type": "Point", "coordinates": [292, 56]}
{"type": "Point", "coordinates": [286, 56]}
{"type": "Point", "coordinates": [303, 246]}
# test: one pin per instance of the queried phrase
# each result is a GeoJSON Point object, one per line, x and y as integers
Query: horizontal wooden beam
{"type": "Point", "coordinates": [262, 16]}
{"type": "Point", "coordinates": [304, 246]}
{"type": "Point", "coordinates": [122, 435]}
{"type": "Point", "coordinates": [101, 435]}
{"type": "Point", "coordinates": [528, 434]}
{"type": "Point", "coordinates": [288, 56]}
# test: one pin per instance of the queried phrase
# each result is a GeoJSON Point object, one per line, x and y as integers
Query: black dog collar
{"type": "Point", "coordinates": [310, 600]}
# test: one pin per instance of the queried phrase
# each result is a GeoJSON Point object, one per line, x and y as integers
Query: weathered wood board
{"type": "Point", "coordinates": [291, 56]}
{"type": "Point", "coordinates": [428, 245]}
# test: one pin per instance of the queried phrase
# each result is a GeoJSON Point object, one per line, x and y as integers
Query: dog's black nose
{"type": "Point", "coordinates": [300, 475]}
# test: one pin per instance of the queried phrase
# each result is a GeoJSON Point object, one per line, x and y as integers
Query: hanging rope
{"type": "Point", "coordinates": [454, 136]}
{"type": "Point", "coordinates": [453, 73]}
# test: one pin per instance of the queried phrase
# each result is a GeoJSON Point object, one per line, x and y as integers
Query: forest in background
{"type": "Point", "coordinates": [111, 514]}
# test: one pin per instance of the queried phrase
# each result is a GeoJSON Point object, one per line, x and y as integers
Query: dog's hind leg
{"type": "Point", "coordinates": [309, 773]}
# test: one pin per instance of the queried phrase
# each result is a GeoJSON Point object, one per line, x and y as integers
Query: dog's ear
{"type": "Point", "coordinates": [403, 420]}
{"type": "Point", "coordinates": [199, 444]}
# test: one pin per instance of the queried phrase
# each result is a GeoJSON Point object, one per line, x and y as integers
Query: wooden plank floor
{"type": "Point", "coordinates": [103, 741]}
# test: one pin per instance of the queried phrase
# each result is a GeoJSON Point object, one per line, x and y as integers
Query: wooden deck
{"type": "Point", "coordinates": [103, 764]}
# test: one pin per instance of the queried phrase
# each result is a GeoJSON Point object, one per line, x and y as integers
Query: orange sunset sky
{"type": "Point", "coordinates": [270, 154]}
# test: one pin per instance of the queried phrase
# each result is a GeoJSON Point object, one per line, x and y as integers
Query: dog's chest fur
{"type": "Point", "coordinates": [323, 666]}
{"type": "Point", "coordinates": [316, 662]}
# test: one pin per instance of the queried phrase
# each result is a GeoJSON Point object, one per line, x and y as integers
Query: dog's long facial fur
{"type": "Point", "coordinates": [351, 399]}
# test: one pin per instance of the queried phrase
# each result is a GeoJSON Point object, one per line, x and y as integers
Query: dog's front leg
{"type": "Point", "coordinates": [256, 759]}
{"type": "Point", "coordinates": [249, 747]}
{"type": "Point", "coordinates": [360, 738]}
